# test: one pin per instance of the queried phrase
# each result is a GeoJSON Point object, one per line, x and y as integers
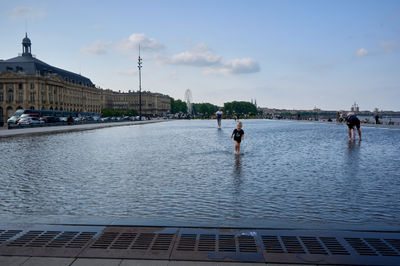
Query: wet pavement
{"type": "Point", "coordinates": [28, 131]}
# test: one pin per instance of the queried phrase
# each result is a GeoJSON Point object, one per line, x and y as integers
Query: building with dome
{"type": "Point", "coordinates": [29, 83]}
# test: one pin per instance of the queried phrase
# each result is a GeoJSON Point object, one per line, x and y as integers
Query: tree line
{"type": "Point", "coordinates": [230, 108]}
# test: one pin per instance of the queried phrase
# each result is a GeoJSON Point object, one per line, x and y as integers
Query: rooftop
{"type": "Point", "coordinates": [26, 63]}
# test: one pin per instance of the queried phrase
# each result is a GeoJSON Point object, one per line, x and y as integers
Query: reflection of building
{"type": "Point", "coordinates": [355, 108]}
{"type": "Point", "coordinates": [28, 83]}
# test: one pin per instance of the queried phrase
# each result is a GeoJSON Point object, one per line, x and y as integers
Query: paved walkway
{"type": "Point", "coordinates": [45, 261]}
{"type": "Point", "coordinates": [6, 133]}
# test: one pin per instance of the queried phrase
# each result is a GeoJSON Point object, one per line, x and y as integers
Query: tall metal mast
{"type": "Point", "coordinates": [140, 85]}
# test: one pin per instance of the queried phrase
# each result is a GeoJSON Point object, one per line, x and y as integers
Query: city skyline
{"type": "Point", "coordinates": [284, 54]}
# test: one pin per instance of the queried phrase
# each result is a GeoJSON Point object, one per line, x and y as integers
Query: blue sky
{"type": "Point", "coordinates": [285, 54]}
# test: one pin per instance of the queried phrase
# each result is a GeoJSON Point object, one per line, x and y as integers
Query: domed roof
{"type": "Point", "coordinates": [26, 40]}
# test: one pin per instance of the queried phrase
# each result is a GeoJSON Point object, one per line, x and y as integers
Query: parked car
{"type": "Point", "coordinates": [28, 121]}
{"type": "Point", "coordinates": [1, 122]}
{"type": "Point", "coordinates": [63, 119]}
{"type": "Point", "coordinates": [28, 115]}
{"type": "Point", "coordinates": [50, 119]}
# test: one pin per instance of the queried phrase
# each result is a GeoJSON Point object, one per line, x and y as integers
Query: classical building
{"type": "Point", "coordinates": [152, 103]}
{"type": "Point", "coordinates": [28, 83]}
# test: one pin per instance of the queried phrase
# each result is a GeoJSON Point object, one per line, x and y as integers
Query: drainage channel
{"type": "Point", "coordinates": [197, 244]}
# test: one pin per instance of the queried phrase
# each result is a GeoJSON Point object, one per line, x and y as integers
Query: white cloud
{"type": "Point", "coordinates": [127, 72]}
{"type": "Point", "coordinates": [24, 12]}
{"type": "Point", "coordinates": [133, 41]}
{"type": "Point", "coordinates": [388, 46]}
{"type": "Point", "coordinates": [200, 56]}
{"type": "Point", "coordinates": [242, 66]}
{"type": "Point", "coordinates": [235, 66]}
{"type": "Point", "coordinates": [362, 52]}
{"type": "Point", "coordinates": [97, 48]}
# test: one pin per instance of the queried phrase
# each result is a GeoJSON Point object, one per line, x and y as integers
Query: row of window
{"type": "Point", "coordinates": [20, 86]}
{"type": "Point", "coordinates": [32, 97]}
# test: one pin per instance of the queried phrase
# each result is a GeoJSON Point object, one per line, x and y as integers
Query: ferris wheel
{"type": "Point", "coordinates": [189, 100]}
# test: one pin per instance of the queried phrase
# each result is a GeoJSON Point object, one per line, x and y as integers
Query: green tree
{"type": "Point", "coordinates": [241, 107]}
{"type": "Point", "coordinates": [178, 106]}
{"type": "Point", "coordinates": [204, 108]}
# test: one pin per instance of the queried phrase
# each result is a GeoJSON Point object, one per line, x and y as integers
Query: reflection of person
{"type": "Point", "coordinates": [352, 121]}
{"type": "Point", "coordinates": [219, 117]}
{"type": "Point", "coordinates": [238, 136]}
{"type": "Point", "coordinates": [377, 119]}
{"type": "Point", "coordinates": [70, 120]}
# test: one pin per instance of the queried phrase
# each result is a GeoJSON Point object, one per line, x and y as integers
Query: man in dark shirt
{"type": "Point", "coordinates": [353, 121]}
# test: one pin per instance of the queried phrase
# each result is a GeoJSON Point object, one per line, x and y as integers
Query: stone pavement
{"type": "Point", "coordinates": [46, 261]}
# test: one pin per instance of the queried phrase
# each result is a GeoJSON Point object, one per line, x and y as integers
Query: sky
{"type": "Point", "coordinates": [284, 54]}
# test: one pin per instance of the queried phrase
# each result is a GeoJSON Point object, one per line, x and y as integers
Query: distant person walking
{"type": "Point", "coordinates": [238, 136]}
{"type": "Point", "coordinates": [353, 121]}
{"type": "Point", "coordinates": [219, 117]}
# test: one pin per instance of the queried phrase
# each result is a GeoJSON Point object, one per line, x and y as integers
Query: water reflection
{"type": "Point", "coordinates": [238, 165]}
{"type": "Point", "coordinates": [352, 158]}
{"type": "Point", "coordinates": [237, 174]}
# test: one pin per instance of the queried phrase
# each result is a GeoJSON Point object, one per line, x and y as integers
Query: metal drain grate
{"type": "Point", "coordinates": [361, 247]}
{"type": "Point", "coordinates": [313, 245]}
{"type": "Point", "coordinates": [6, 235]}
{"type": "Point", "coordinates": [127, 242]}
{"type": "Point", "coordinates": [333, 245]}
{"type": "Point", "coordinates": [247, 244]}
{"type": "Point", "coordinates": [45, 242]}
{"type": "Point", "coordinates": [187, 242]}
{"type": "Point", "coordinates": [207, 242]}
{"type": "Point", "coordinates": [143, 241]}
{"type": "Point", "coordinates": [124, 241]}
{"type": "Point", "coordinates": [162, 242]}
{"type": "Point", "coordinates": [395, 243]}
{"type": "Point", "coordinates": [381, 247]}
{"type": "Point", "coordinates": [197, 244]}
{"type": "Point", "coordinates": [80, 240]}
{"type": "Point", "coordinates": [105, 240]}
{"type": "Point", "coordinates": [272, 244]}
{"type": "Point", "coordinates": [226, 243]}
{"type": "Point", "coordinates": [52, 239]}
{"type": "Point", "coordinates": [43, 239]}
{"type": "Point", "coordinates": [200, 245]}
{"type": "Point", "coordinates": [292, 244]}
{"type": "Point", "coordinates": [25, 239]}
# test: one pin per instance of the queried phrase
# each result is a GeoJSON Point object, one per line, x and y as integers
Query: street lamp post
{"type": "Point", "coordinates": [140, 85]}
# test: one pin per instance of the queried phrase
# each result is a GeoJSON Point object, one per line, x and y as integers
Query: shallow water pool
{"type": "Point", "coordinates": [288, 172]}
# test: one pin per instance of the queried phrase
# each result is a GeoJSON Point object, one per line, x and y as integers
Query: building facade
{"type": "Point", "coordinates": [28, 83]}
{"type": "Point", "coordinates": [152, 103]}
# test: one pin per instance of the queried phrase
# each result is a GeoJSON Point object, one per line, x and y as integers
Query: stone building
{"type": "Point", "coordinates": [28, 83]}
{"type": "Point", "coordinates": [152, 103]}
